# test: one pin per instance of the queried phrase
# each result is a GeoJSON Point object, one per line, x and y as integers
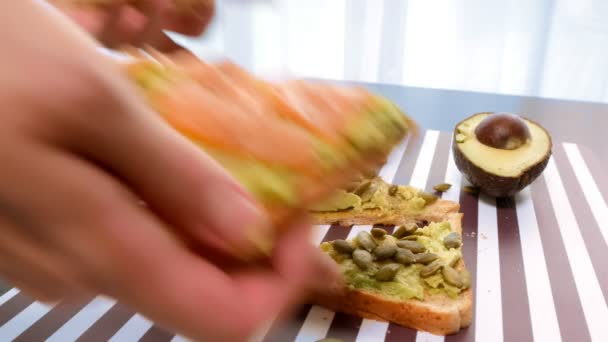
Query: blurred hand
{"type": "Point", "coordinates": [119, 22]}
{"type": "Point", "coordinates": [79, 151]}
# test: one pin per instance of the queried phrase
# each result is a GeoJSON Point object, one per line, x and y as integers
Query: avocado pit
{"type": "Point", "coordinates": [503, 131]}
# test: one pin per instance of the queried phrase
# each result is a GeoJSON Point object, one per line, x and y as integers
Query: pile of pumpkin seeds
{"type": "Point", "coordinates": [366, 188]}
{"type": "Point", "coordinates": [368, 251]}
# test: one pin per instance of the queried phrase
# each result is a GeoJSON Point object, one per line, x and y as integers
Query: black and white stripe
{"type": "Point", "coordinates": [536, 260]}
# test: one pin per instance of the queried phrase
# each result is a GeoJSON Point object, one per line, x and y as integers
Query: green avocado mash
{"type": "Point", "coordinates": [271, 184]}
{"type": "Point", "coordinates": [407, 283]}
{"type": "Point", "coordinates": [340, 200]}
{"type": "Point", "coordinates": [383, 123]}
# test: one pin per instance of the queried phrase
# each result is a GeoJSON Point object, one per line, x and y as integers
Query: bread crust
{"type": "Point", "coordinates": [437, 314]}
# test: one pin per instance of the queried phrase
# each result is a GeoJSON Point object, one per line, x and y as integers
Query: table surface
{"type": "Point", "coordinates": [537, 259]}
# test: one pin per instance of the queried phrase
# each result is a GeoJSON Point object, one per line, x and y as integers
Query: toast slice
{"type": "Point", "coordinates": [373, 201]}
{"type": "Point", "coordinates": [290, 143]}
{"type": "Point", "coordinates": [428, 304]}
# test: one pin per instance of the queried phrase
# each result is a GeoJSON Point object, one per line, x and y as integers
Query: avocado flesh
{"type": "Point", "coordinates": [407, 283]}
{"type": "Point", "coordinates": [505, 163]}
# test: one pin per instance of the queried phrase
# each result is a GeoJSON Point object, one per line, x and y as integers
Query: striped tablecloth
{"type": "Point", "coordinates": [539, 264]}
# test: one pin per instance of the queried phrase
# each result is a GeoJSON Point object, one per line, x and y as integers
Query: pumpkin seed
{"type": "Point", "coordinates": [343, 246]}
{"type": "Point", "coordinates": [452, 240]}
{"type": "Point", "coordinates": [455, 260]}
{"type": "Point", "coordinates": [413, 246]}
{"type": "Point", "coordinates": [404, 256]}
{"type": "Point", "coordinates": [392, 190]}
{"type": "Point", "coordinates": [451, 276]}
{"type": "Point", "coordinates": [366, 190]}
{"type": "Point", "coordinates": [366, 240]}
{"type": "Point", "coordinates": [430, 269]}
{"type": "Point", "coordinates": [362, 187]}
{"type": "Point", "coordinates": [406, 229]}
{"type": "Point", "coordinates": [428, 198]}
{"type": "Point", "coordinates": [367, 195]}
{"type": "Point", "coordinates": [399, 232]}
{"type": "Point", "coordinates": [443, 187]}
{"type": "Point", "coordinates": [422, 223]}
{"type": "Point", "coordinates": [362, 258]}
{"type": "Point", "coordinates": [426, 258]}
{"type": "Point", "coordinates": [378, 232]}
{"type": "Point", "coordinates": [387, 272]}
{"type": "Point", "coordinates": [410, 238]}
{"type": "Point", "coordinates": [384, 252]}
{"type": "Point", "coordinates": [411, 228]}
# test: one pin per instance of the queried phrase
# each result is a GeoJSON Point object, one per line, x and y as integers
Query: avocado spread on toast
{"type": "Point", "coordinates": [375, 194]}
{"type": "Point", "coordinates": [379, 127]}
{"type": "Point", "coordinates": [407, 282]}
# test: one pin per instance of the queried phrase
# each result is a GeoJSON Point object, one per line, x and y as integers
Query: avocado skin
{"type": "Point", "coordinates": [495, 185]}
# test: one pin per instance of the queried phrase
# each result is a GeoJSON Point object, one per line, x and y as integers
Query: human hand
{"type": "Point", "coordinates": [139, 22]}
{"type": "Point", "coordinates": [79, 151]}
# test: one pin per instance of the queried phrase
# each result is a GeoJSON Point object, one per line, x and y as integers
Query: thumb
{"type": "Point", "coordinates": [176, 179]}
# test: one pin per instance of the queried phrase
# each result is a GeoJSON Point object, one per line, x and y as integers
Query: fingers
{"type": "Point", "coordinates": [167, 15]}
{"type": "Point", "coordinates": [123, 25]}
{"type": "Point", "coordinates": [91, 20]}
{"type": "Point", "coordinates": [296, 258]}
{"type": "Point", "coordinates": [302, 264]}
{"type": "Point", "coordinates": [192, 21]}
{"type": "Point", "coordinates": [172, 175]}
{"type": "Point", "coordinates": [91, 220]}
{"type": "Point", "coordinates": [152, 34]}
{"type": "Point", "coordinates": [120, 23]}
{"type": "Point", "coordinates": [132, 256]}
{"type": "Point", "coordinates": [197, 299]}
{"type": "Point", "coordinates": [29, 266]}
{"type": "Point", "coordinates": [139, 26]}
{"type": "Point", "coordinates": [124, 250]}
{"type": "Point", "coordinates": [96, 225]}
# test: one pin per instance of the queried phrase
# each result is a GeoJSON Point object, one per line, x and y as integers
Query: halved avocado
{"type": "Point", "coordinates": [500, 153]}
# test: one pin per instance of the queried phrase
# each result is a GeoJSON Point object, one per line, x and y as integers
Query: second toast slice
{"type": "Point", "coordinates": [373, 201]}
{"type": "Point", "coordinates": [426, 287]}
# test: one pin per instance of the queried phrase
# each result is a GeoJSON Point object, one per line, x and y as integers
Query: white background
{"type": "Point", "coordinates": [546, 48]}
